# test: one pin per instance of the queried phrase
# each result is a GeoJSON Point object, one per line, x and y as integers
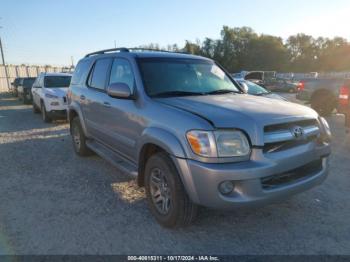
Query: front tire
{"type": "Point", "coordinates": [166, 195]}
{"type": "Point", "coordinates": [35, 108]}
{"type": "Point", "coordinates": [44, 114]}
{"type": "Point", "coordinates": [79, 138]}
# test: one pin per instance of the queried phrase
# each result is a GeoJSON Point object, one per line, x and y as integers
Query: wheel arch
{"type": "Point", "coordinates": [73, 111]}
{"type": "Point", "coordinates": [154, 140]}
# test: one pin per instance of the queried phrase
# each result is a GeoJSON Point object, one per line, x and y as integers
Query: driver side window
{"type": "Point", "coordinates": [121, 72]}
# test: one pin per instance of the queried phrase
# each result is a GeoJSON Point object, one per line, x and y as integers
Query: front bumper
{"type": "Point", "coordinates": [58, 114]}
{"type": "Point", "coordinates": [201, 180]}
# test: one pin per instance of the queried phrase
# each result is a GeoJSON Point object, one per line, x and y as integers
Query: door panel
{"type": "Point", "coordinates": [123, 124]}
{"type": "Point", "coordinates": [94, 97]}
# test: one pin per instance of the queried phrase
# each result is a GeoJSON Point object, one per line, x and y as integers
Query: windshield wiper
{"type": "Point", "coordinates": [263, 93]}
{"type": "Point", "coordinates": [176, 93]}
{"type": "Point", "coordinates": [220, 91]}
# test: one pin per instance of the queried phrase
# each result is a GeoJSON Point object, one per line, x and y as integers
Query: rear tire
{"type": "Point", "coordinates": [163, 185]}
{"type": "Point", "coordinates": [79, 138]}
{"type": "Point", "coordinates": [324, 102]}
{"type": "Point", "coordinates": [44, 114]}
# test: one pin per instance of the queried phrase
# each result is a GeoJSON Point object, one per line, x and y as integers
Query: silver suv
{"type": "Point", "coordinates": [184, 128]}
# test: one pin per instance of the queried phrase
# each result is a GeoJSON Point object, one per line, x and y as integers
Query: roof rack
{"type": "Point", "coordinates": [124, 49]}
{"type": "Point", "coordinates": [121, 49]}
{"type": "Point", "coordinates": [155, 50]}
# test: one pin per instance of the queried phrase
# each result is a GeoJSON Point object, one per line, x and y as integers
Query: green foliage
{"type": "Point", "coordinates": [243, 49]}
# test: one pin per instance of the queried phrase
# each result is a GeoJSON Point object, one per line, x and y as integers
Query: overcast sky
{"type": "Point", "coordinates": [50, 32]}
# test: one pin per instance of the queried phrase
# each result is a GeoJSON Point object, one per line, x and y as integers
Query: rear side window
{"type": "Point", "coordinates": [79, 72]}
{"type": "Point", "coordinates": [121, 72]}
{"type": "Point", "coordinates": [98, 76]}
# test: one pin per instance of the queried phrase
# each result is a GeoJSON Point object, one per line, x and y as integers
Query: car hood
{"type": "Point", "coordinates": [275, 96]}
{"type": "Point", "coordinates": [246, 112]}
{"type": "Point", "coordinates": [57, 91]}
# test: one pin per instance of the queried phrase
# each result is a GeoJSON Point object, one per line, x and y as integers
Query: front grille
{"type": "Point", "coordinates": [281, 137]}
{"type": "Point", "coordinates": [292, 176]}
{"type": "Point", "coordinates": [284, 126]}
{"type": "Point", "coordinates": [285, 145]}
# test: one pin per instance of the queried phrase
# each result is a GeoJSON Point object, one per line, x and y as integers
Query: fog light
{"type": "Point", "coordinates": [55, 103]}
{"type": "Point", "coordinates": [226, 187]}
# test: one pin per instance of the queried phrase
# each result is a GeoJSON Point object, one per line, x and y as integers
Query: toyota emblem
{"type": "Point", "coordinates": [298, 132]}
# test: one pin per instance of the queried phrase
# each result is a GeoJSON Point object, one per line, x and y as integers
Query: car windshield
{"type": "Point", "coordinates": [184, 77]}
{"type": "Point", "coordinates": [28, 82]}
{"type": "Point", "coordinates": [254, 89]}
{"type": "Point", "coordinates": [57, 81]}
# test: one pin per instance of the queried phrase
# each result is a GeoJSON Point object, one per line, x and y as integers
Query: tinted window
{"type": "Point", "coordinates": [79, 72]}
{"type": "Point", "coordinates": [181, 76]}
{"type": "Point", "coordinates": [57, 81]}
{"type": "Point", "coordinates": [121, 73]}
{"type": "Point", "coordinates": [99, 73]}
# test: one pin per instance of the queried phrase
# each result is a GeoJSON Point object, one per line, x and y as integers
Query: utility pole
{"type": "Point", "coordinates": [3, 62]}
{"type": "Point", "coordinates": [115, 44]}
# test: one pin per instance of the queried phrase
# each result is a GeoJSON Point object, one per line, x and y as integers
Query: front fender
{"type": "Point", "coordinates": [171, 144]}
{"type": "Point", "coordinates": [75, 108]}
{"type": "Point", "coordinates": [162, 138]}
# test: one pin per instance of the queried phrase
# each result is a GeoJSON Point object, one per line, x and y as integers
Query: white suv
{"type": "Point", "coordinates": [50, 95]}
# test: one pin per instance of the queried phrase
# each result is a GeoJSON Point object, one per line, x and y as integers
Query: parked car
{"type": "Point", "coordinates": [321, 93]}
{"type": "Point", "coordinates": [182, 126]}
{"type": "Point", "coordinates": [49, 93]}
{"type": "Point", "coordinates": [256, 90]}
{"type": "Point", "coordinates": [282, 85]}
{"type": "Point", "coordinates": [14, 86]}
{"type": "Point", "coordinates": [344, 102]}
{"type": "Point", "coordinates": [24, 89]}
{"type": "Point", "coordinates": [268, 80]}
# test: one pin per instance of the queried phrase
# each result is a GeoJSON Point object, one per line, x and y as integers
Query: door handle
{"type": "Point", "coordinates": [106, 104]}
{"type": "Point", "coordinates": [82, 97]}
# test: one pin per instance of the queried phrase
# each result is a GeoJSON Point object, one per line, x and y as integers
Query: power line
{"type": "Point", "coordinates": [3, 62]}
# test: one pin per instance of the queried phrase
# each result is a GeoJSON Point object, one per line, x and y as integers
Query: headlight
{"type": "Point", "coordinates": [51, 96]}
{"type": "Point", "coordinates": [326, 127]}
{"type": "Point", "coordinates": [218, 143]}
{"type": "Point", "coordinates": [202, 143]}
{"type": "Point", "coordinates": [231, 143]}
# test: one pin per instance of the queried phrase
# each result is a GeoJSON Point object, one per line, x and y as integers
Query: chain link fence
{"type": "Point", "coordinates": [14, 71]}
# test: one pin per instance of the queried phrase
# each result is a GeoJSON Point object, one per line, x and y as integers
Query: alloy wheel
{"type": "Point", "coordinates": [76, 137]}
{"type": "Point", "coordinates": [160, 191]}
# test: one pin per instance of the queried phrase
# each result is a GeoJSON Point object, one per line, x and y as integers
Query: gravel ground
{"type": "Point", "coordinates": [54, 202]}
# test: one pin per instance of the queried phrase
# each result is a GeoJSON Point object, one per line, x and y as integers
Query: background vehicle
{"type": "Point", "coordinates": [25, 89]}
{"type": "Point", "coordinates": [268, 80]}
{"type": "Point", "coordinates": [344, 102]}
{"type": "Point", "coordinates": [254, 89]}
{"type": "Point", "coordinates": [49, 93]}
{"type": "Point", "coordinates": [281, 85]}
{"type": "Point", "coordinates": [14, 85]}
{"type": "Point", "coordinates": [260, 77]}
{"type": "Point", "coordinates": [187, 132]}
{"type": "Point", "coordinates": [321, 93]}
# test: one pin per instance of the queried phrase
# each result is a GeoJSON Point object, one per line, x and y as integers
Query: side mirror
{"type": "Point", "coordinates": [245, 87]}
{"type": "Point", "coordinates": [119, 90]}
